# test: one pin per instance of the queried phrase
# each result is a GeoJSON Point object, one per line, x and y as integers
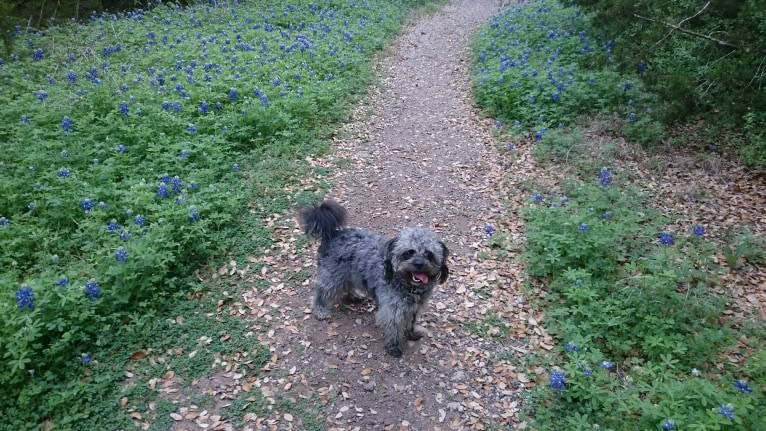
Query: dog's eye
{"type": "Point", "coordinates": [408, 254]}
{"type": "Point", "coordinates": [429, 255]}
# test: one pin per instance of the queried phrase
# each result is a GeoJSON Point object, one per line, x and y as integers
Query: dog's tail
{"type": "Point", "coordinates": [323, 221]}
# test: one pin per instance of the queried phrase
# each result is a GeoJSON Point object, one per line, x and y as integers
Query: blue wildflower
{"type": "Point", "coordinates": [555, 97]}
{"type": "Point", "coordinates": [121, 255]}
{"type": "Point", "coordinates": [92, 289]}
{"type": "Point", "coordinates": [235, 166]}
{"type": "Point", "coordinates": [64, 153]}
{"type": "Point", "coordinates": [24, 119]}
{"type": "Point", "coordinates": [540, 134]}
{"type": "Point", "coordinates": [558, 380]}
{"type": "Point", "coordinates": [140, 220]}
{"type": "Point", "coordinates": [176, 183]}
{"type": "Point", "coordinates": [698, 230]}
{"type": "Point", "coordinates": [570, 347]}
{"type": "Point", "coordinates": [66, 124]}
{"type": "Point", "coordinates": [511, 147]}
{"type": "Point", "coordinates": [669, 424]}
{"type": "Point", "coordinates": [607, 365]}
{"type": "Point", "coordinates": [124, 109]}
{"type": "Point", "coordinates": [71, 77]}
{"type": "Point", "coordinates": [743, 387]}
{"type": "Point", "coordinates": [25, 298]}
{"type": "Point", "coordinates": [666, 238]}
{"type": "Point", "coordinates": [32, 207]}
{"type": "Point", "coordinates": [233, 94]}
{"type": "Point", "coordinates": [63, 173]}
{"type": "Point", "coordinates": [183, 154]}
{"type": "Point", "coordinates": [489, 230]}
{"type": "Point", "coordinates": [113, 226]}
{"type": "Point", "coordinates": [85, 359]}
{"type": "Point", "coordinates": [121, 148]}
{"type": "Point", "coordinates": [204, 107]}
{"type": "Point", "coordinates": [87, 204]}
{"type": "Point", "coordinates": [191, 128]}
{"type": "Point", "coordinates": [193, 215]}
{"type": "Point", "coordinates": [537, 198]}
{"type": "Point", "coordinates": [607, 215]}
{"type": "Point", "coordinates": [605, 177]}
{"type": "Point", "coordinates": [42, 95]}
{"type": "Point", "coordinates": [583, 227]}
{"type": "Point", "coordinates": [38, 54]}
{"type": "Point", "coordinates": [727, 411]}
{"type": "Point", "coordinates": [124, 235]}
{"type": "Point", "coordinates": [498, 124]}
{"type": "Point", "coordinates": [62, 282]}
{"type": "Point", "coordinates": [632, 117]}
{"type": "Point", "coordinates": [162, 190]}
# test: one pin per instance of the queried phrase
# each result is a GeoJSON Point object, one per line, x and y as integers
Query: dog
{"type": "Point", "coordinates": [398, 274]}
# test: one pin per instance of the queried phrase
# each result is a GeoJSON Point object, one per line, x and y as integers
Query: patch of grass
{"type": "Point", "coordinates": [491, 326]}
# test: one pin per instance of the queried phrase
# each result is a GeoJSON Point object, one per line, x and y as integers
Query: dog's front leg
{"type": "Point", "coordinates": [389, 318]}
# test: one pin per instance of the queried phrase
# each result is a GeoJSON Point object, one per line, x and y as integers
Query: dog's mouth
{"type": "Point", "coordinates": [420, 278]}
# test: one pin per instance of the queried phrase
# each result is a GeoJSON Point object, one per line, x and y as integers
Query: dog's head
{"type": "Point", "coordinates": [417, 257]}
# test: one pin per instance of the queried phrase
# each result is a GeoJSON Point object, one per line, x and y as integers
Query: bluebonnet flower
{"type": "Point", "coordinates": [121, 255]}
{"type": "Point", "coordinates": [204, 107]}
{"type": "Point", "coordinates": [140, 220]}
{"type": "Point", "coordinates": [564, 201]}
{"type": "Point", "coordinates": [583, 227]}
{"type": "Point", "coordinates": [121, 148]}
{"type": "Point", "coordinates": [641, 67]}
{"type": "Point", "coordinates": [124, 88]}
{"type": "Point", "coordinates": [558, 380]}
{"type": "Point", "coordinates": [102, 205]}
{"type": "Point", "coordinates": [498, 124]}
{"type": "Point", "coordinates": [191, 128]}
{"type": "Point", "coordinates": [42, 95]}
{"type": "Point", "coordinates": [233, 94]}
{"type": "Point", "coordinates": [540, 134]}
{"type": "Point", "coordinates": [605, 177]}
{"type": "Point", "coordinates": [537, 198]}
{"type": "Point", "coordinates": [698, 230]}
{"type": "Point", "coordinates": [743, 387]}
{"type": "Point", "coordinates": [511, 147]}
{"type": "Point", "coordinates": [489, 230]}
{"type": "Point", "coordinates": [64, 154]}
{"type": "Point", "coordinates": [176, 183]}
{"type": "Point", "coordinates": [570, 347]}
{"type": "Point", "coordinates": [92, 289]}
{"type": "Point", "coordinates": [165, 105]}
{"type": "Point", "coordinates": [4, 222]}
{"type": "Point", "coordinates": [669, 424]}
{"type": "Point", "coordinates": [87, 204]}
{"type": "Point", "coordinates": [193, 186]}
{"type": "Point", "coordinates": [63, 173]}
{"type": "Point", "coordinates": [66, 124]}
{"type": "Point", "coordinates": [235, 166]}
{"type": "Point", "coordinates": [193, 215]}
{"type": "Point", "coordinates": [586, 370]}
{"type": "Point", "coordinates": [124, 109]}
{"type": "Point", "coordinates": [176, 107]}
{"type": "Point", "coordinates": [184, 154]}
{"type": "Point", "coordinates": [727, 411]}
{"type": "Point", "coordinates": [607, 365]}
{"type": "Point", "coordinates": [32, 207]}
{"type": "Point", "coordinates": [607, 215]}
{"type": "Point", "coordinates": [25, 298]}
{"type": "Point", "coordinates": [113, 226]}
{"type": "Point", "coordinates": [627, 86]}
{"type": "Point", "coordinates": [38, 54]}
{"type": "Point", "coordinates": [666, 238]}
{"type": "Point", "coordinates": [632, 117]}
{"type": "Point", "coordinates": [162, 190]}
{"type": "Point", "coordinates": [555, 97]}
{"type": "Point", "coordinates": [85, 359]}
{"type": "Point", "coordinates": [24, 119]}
{"type": "Point", "coordinates": [71, 77]}
{"type": "Point", "coordinates": [124, 235]}
{"type": "Point", "coordinates": [180, 200]}
{"type": "Point", "coordinates": [63, 281]}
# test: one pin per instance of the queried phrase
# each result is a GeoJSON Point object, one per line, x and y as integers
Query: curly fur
{"type": "Point", "coordinates": [399, 274]}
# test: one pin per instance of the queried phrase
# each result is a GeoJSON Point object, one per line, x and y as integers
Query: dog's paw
{"type": "Point", "coordinates": [321, 313]}
{"type": "Point", "coordinates": [394, 350]}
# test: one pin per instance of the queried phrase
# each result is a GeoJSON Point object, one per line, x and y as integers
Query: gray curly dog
{"type": "Point", "coordinates": [398, 274]}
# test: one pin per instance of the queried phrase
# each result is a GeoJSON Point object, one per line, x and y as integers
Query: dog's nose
{"type": "Point", "coordinates": [418, 263]}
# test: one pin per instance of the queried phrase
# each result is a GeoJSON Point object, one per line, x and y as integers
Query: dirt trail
{"type": "Point", "coordinates": [416, 152]}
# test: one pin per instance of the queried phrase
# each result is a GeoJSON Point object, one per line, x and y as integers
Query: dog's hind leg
{"type": "Point", "coordinates": [327, 290]}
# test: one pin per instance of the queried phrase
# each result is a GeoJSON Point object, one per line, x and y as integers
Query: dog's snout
{"type": "Point", "coordinates": [418, 263]}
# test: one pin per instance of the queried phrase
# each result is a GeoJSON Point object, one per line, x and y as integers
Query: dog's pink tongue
{"type": "Point", "coordinates": [421, 276]}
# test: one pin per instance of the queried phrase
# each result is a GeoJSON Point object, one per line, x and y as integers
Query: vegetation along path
{"type": "Point", "coordinates": [416, 152]}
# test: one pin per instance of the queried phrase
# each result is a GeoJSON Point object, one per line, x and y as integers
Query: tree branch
{"type": "Point", "coordinates": [678, 26]}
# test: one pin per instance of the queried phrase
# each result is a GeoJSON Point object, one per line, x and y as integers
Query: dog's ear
{"type": "Point", "coordinates": [389, 267]}
{"type": "Point", "coordinates": [444, 269]}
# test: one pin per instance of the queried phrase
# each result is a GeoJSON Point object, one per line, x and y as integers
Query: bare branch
{"type": "Point", "coordinates": [694, 33]}
{"type": "Point", "coordinates": [678, 26]}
